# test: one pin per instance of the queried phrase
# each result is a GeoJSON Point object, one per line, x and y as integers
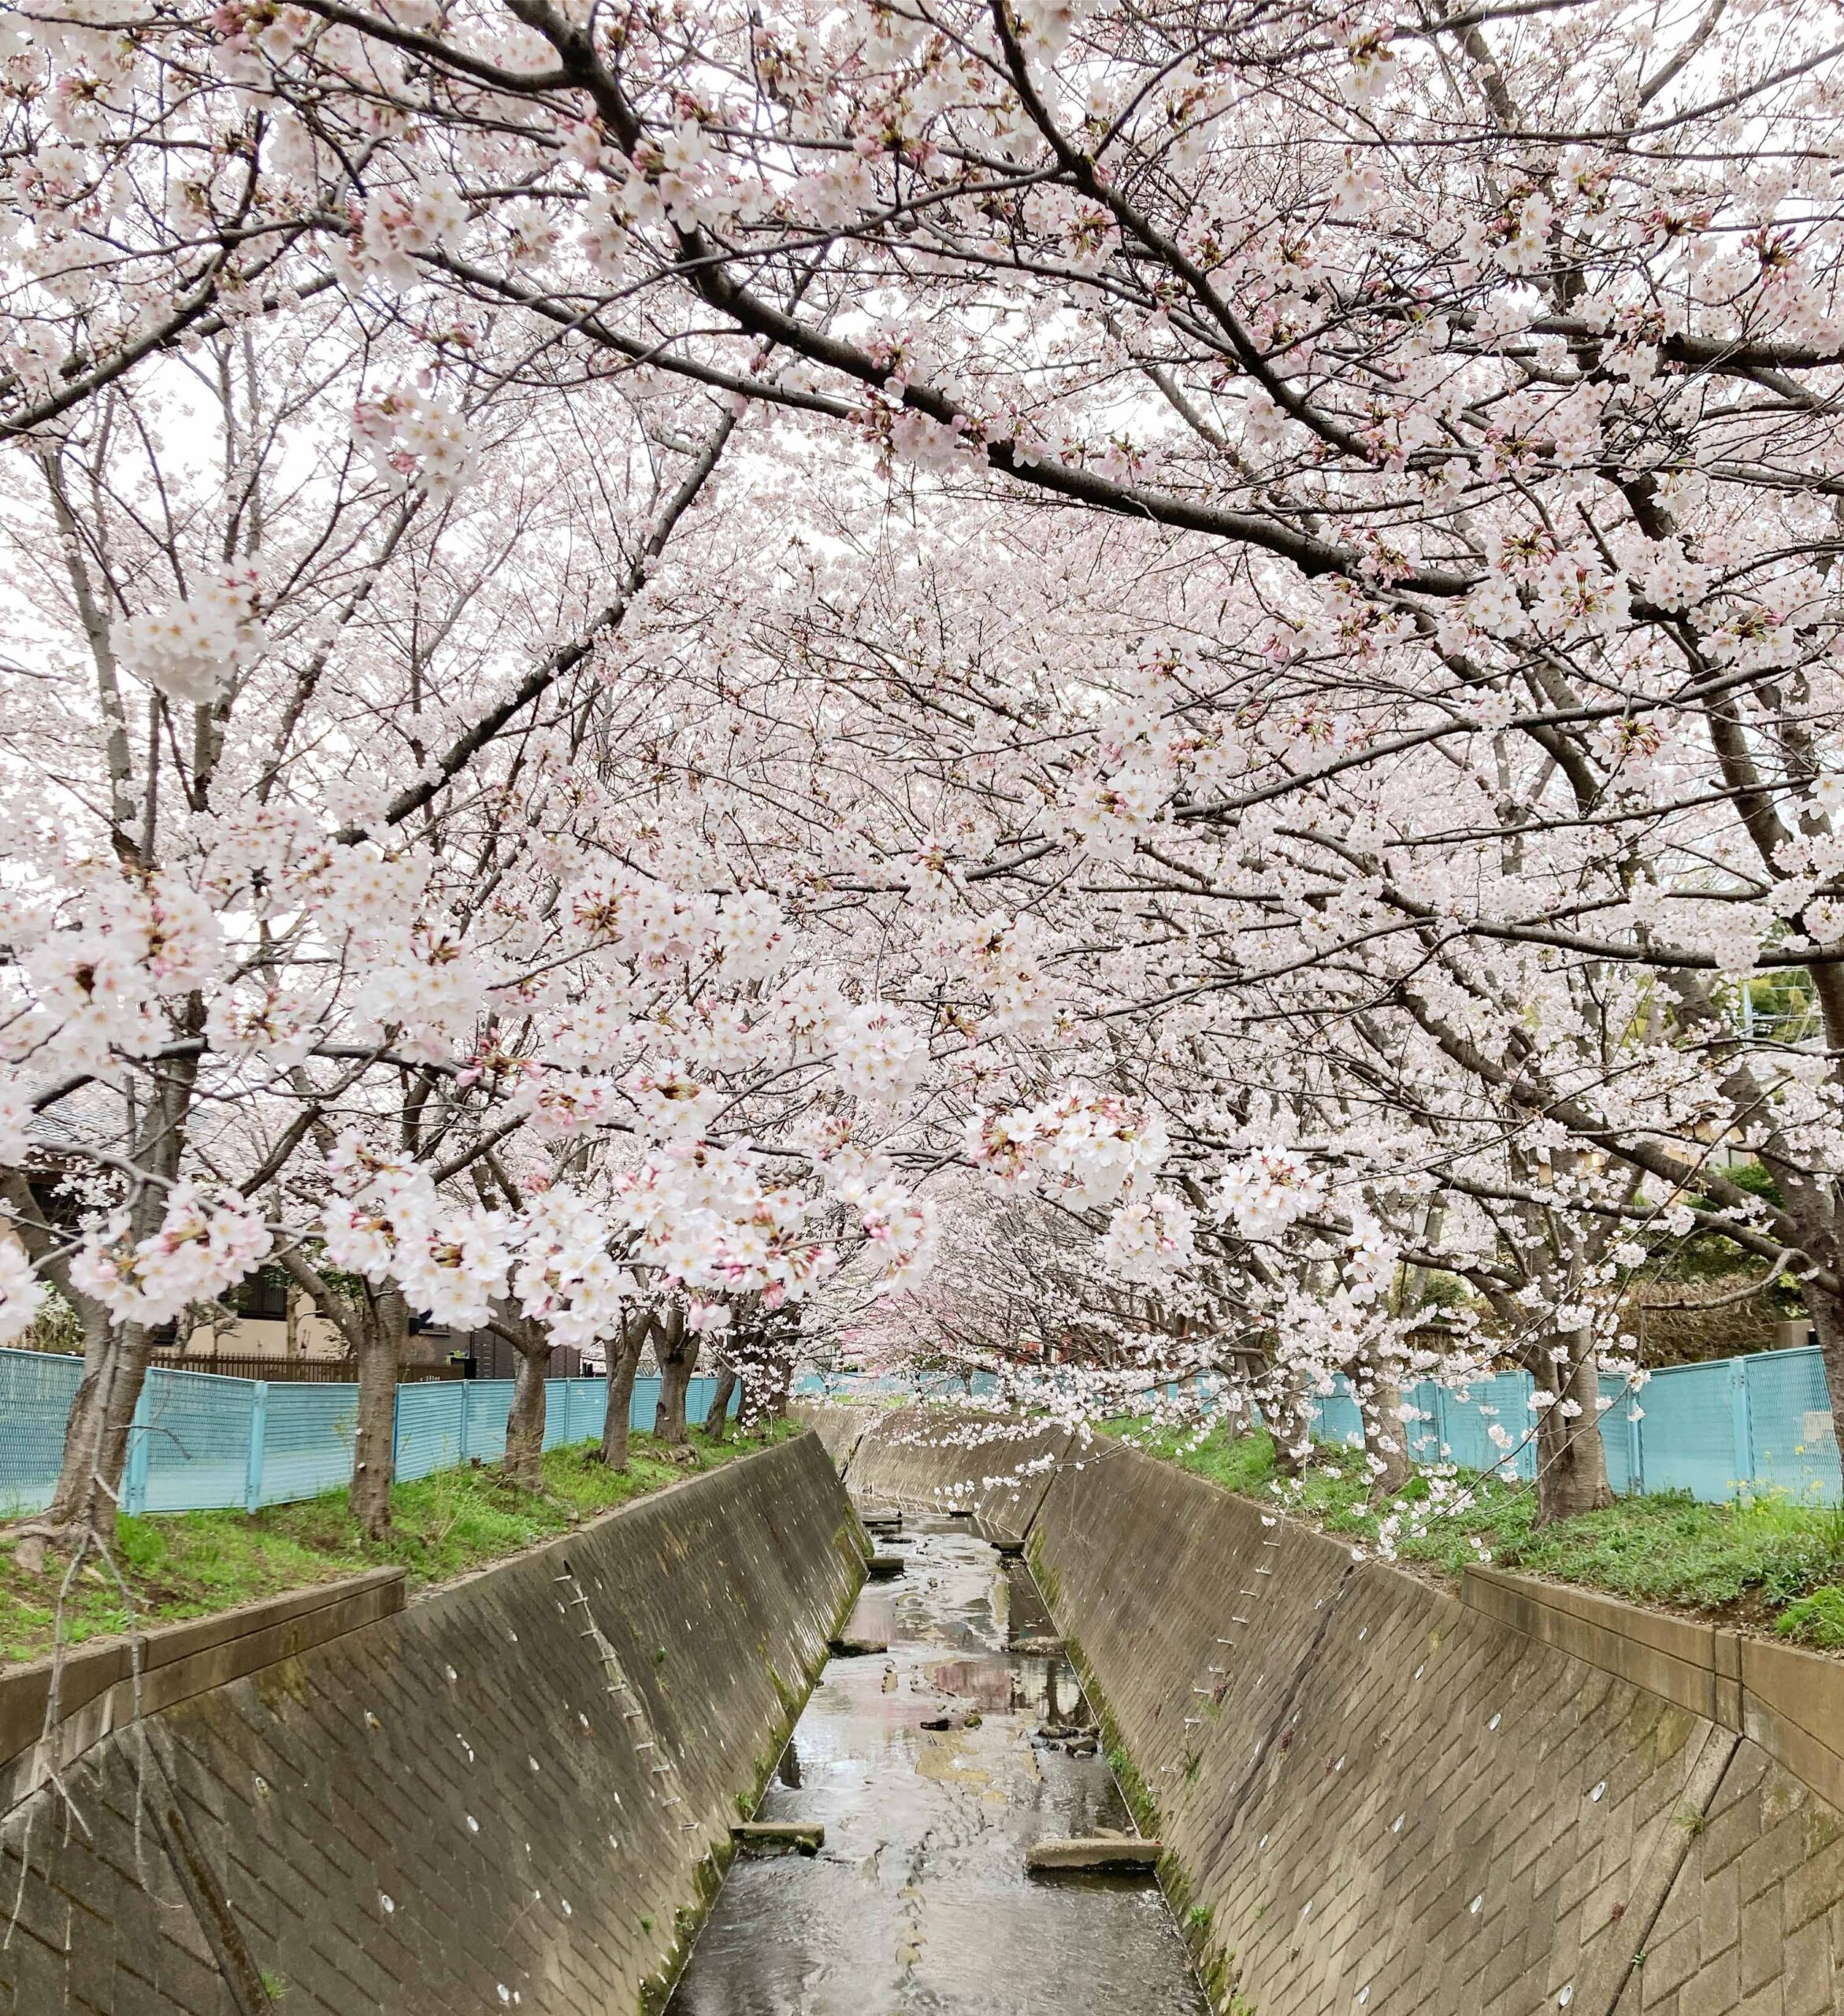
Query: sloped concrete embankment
{"type": "Point", "coordinates": [995, 1466]}
{"type": "Point", "coordinates": [512, 1795]}
{"type": "Point", "coordinates": [1379, 1798]}
{"type": "Point", "coordinates": [841, 1424]}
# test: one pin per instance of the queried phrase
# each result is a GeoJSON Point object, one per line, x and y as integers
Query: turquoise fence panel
{"type": "Point", "coordinates": [308, 1435]}
{"type": "Point", "coordinates": [1340, 1418]}
{"type": "Point", "coordinates": [640, 1408]}
{"type": "Point", "coordinates": [1422, 1428]}
{"type": "Point", "coordinates": [1793, 1448]}
{"type": "Point", "coordinates": [36, 1389]}
{"type": "Point", "coordinates": [573, 1409]}
{"type": "Point", "coordinates": [698, 1396]}
{"type": "Point", "coordinates": [589, 1409]}
{"type": "Point", "coordinates": [489, 1400]}
{"type": "Point", "coordinates": [1468, 1416]}
{"type": "Point", "coordinates": [1687, 1431]}
{"type": "Point", "coordinates": [189, 1449]}
{"type": "Point", "coordinates": [430, 1426]}
{"type": "Point", "coordinates": [1619, 1435]}
{"type": "Point", "coordinates": [202, 1441]}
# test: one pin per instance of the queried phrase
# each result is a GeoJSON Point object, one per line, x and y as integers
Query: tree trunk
{"type": "Point", "coordinates": [1386, 1434]}
{"type": "Point", "coordinates": [1572, 1463]}
{"type": "Point", "coordinates": [677, 1350]}
{"type": "Point", "coordinates": [777, 1381]}
{"type": "Point", "coordinates": [84, 1487]}
{"type": "Point", "coordinates": [768, 1365]}
{"type": "Point", "coordinates": [115, 1355]}
{"type": "Point", "coordinates": [717, 1419]}
{"type": "Point", "coordinates": [384, 1325]}
{"type": "Point", "coordinates": [623, 1361]}
{"type": "Point", "coordinates": [1287, 1413]}
{"type": "Point", "coordinates": [523, 1461]}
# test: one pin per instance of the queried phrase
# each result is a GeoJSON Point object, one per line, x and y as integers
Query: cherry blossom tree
{"type": "Point", "coordinates": [1265, 669]}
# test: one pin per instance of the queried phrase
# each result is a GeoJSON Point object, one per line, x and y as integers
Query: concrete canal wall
{"type": "Point", "coordinates": [507, 1797]}
{"type": "Point", "coordinates": [991, 1465]}
{"type": "Point", "coordinates": [1379, 1797]}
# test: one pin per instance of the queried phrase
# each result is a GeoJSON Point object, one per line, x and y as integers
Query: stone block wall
{"type": "Point", "coordinates": [514, 1795]}
{"type": "Point", "coordinates": [1379, 1798]}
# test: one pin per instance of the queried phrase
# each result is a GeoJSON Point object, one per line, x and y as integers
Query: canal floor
{"type": "Point", "coordinates": [919, 1902]}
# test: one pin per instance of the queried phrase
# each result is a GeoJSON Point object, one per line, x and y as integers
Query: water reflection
{"type": "Point", "coordinates": [919, 1902]}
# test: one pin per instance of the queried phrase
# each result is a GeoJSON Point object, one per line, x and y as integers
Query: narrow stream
{"type": "Point", "coordinates": [919, 1900]}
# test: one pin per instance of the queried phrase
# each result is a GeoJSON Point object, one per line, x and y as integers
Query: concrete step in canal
{"type": "Point", "coordinates": [919, 1900]}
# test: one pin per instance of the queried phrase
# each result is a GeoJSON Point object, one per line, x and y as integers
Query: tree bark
{"type": "Point", "coordinates": [767, 1364]}
{"type": "Point", "coordinates": [1385, 1435]}
{"type": "Point", "coordinates": [1287, 1413]}
{"type": "Point", "coordinates": [79, 1497]}
{"type": "Point", "coordinates": [523, 1461]}
{"type": "Point", "coordinates": [676, 1347]}
{"type": "Point", "coordinates": [115, 1355]}
{"type": "Point", "coordinates": [383, 1325]}
{"type": "Point", "coordinates": [623, 1361]}
{"type": "Point", "coordinates": [717, 1418]}
{"type": "Point", "coordinates": [1572, 1461]}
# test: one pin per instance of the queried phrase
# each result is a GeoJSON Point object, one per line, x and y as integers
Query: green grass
{"type": "Point", "coordinates": [1766, 1560]}
{"type": "Point", "coordinates": [189, 1563]}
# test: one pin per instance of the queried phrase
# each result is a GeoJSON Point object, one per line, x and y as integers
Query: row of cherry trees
{"type": "Point", "coordinates": [1145, 675]}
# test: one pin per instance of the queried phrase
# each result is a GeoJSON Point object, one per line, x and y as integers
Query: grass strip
{"type": "Point", "coordinates": [183, 1565]}
{"type": "Point", "coordinates": [1767, 1561]}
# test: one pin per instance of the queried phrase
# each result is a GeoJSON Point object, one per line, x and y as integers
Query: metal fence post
{"type": "Point", "coordinates": [1635, 1446]}
{"type": "Point", "coordinates": [258, 1434]}
{"type": "Point", "coordinates": [1440, 1454]}
{"type": "Point", "coordinates": [134, 1483]}
{"type": "Point", "coordinates": [1739, 1417]}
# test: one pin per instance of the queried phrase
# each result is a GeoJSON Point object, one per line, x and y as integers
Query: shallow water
{"type": "Point", "coordinates": [919, 1901]}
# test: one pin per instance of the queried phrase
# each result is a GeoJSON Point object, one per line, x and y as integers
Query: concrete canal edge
{"type": "Point", "coordinates": [515, 1794]}
{"type": "Point", "coordinates": [1378, 1797]}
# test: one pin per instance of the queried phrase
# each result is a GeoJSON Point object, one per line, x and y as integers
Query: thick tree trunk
{"type": "Point", "coordinates": [523, 1461]}
{"type": "Point", "coordinates": [717, 1418]}
{"type": "Point", "coordinates": [115, 1355]}
{"type": "Point", "coordinates": [384, 1325]}
{"type": "Point", "coordinates": [623, 1361]}
{"type": "Point", "coordinates": [84, 1481]}
{"type": "Point", "coordinates": [1572, 1462]}
{"type": "Point", "coordinates": [677, 1350]}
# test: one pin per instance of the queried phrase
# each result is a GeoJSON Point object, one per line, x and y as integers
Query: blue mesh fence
{"type": "Point", "coordinates": [1688, 1436]}
{"type": "Point", "coordinates": [1622, 1417]}
{"type": "Point", "coordinates": [36, 1390]}
{"type": "Point", "coordinates": [488, 1402]}
{"type": "Point", "coordinates": [201, 1443]}
{"type": "Point", "coordinates": [307, 1437]}
{"type": "Point", "coordinates": [432, 1425]}
{"type": "Point", "coordinates": [1757, 1424]}
{"type": "Point", "coordinates": [1789, 1425]}
{"type": "Point", "coordinates": [189, 1449]}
